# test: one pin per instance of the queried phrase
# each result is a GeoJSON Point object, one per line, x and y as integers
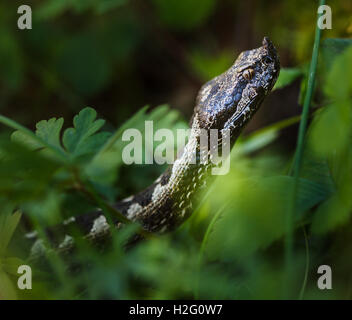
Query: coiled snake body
{"type": "Point", "coordinates": [228, 101]}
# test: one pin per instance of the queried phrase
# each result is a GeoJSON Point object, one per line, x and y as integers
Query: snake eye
{"type": "Point", "coordinates": [248, 74]}
{"type": "Point", "coordinates": [267, 60]}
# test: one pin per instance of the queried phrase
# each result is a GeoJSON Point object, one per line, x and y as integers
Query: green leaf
{"type": "Point", "coordinates": [333, 48]}
{"type": "Point", "coordinates": [287, 76]}
{"type": "Point", "coordinates": [330, 214]}
{"type": "Point", "coordinates": [28, 137]}
{"type": "Point", "coordinates": [104, 166]}
{"type": "Point", "coordinates": [10, 265]}
{"type": "Point", "coordinates": [24, 138]}
{"type": "Point", "coordinates": [83, 138]}
{"type": "Point", "coordinates": [8, 225]}
{"type": "Point", "coordinates": [316, 168]}
{"type": "Point", "coordinates": [49, 131]}
{"type": "Point", "coordinates": [47, 209]}
{"type": "Point", "coordinates": [208, 66]}
{"type": "Point", "coordinates": [338, 84]}
{"type": "Point", "coordinates": [334, 118]}
{"type": "Point", "coordinates": [336, 210]}
{"type": "Point", "coordinates": [7, 288]}
{"type": "Point", "coordinates": [261, 138]}
{"type": "Point", "coordinates": [255, 213]}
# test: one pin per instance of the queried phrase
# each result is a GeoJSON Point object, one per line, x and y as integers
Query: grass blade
{"type": "Point", "coordinates": [298, 160]}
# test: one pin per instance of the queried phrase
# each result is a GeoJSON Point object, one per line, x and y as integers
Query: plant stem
{"type": "Point", "coordinates": [304, 285]}
{"type": "Point", "coordinates": [298, 160]}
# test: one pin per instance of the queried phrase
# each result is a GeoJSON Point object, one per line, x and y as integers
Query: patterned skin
{"type": "Point", "coordinates": [228, 101]}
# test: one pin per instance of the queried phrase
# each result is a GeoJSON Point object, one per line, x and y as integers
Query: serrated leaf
{"type": "Point", "coordinates": [26, 136]}
{"type": "Point", "coordinates": [82, 138]}
{"type": "Point", "coordinates": [49, 131]}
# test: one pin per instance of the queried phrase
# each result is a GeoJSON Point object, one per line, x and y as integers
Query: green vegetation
{"type": "Point", "coordinates": [261, 231]}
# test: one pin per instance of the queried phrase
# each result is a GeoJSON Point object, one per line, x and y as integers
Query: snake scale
{"type": "Point", "coordinates": [228, 101]}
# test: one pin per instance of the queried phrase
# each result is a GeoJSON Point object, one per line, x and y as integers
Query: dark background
{"type": "Point", "coordinates": [119, 55]}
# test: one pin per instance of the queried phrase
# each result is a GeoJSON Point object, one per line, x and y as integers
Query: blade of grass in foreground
{"type": "Point", "coordinates": [298, 162]}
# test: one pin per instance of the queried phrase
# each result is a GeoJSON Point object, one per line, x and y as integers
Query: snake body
{"type": "Point", "coordinates": [228, 101]}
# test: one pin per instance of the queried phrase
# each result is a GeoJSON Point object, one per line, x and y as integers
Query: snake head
{"type": "Point", "coordinates": [231, 99]}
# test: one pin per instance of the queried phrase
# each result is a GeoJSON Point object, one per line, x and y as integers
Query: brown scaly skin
{"type": "Point", "coordinates": [228, 101]}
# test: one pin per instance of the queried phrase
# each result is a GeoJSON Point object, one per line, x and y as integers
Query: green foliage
{"type": "Point", "coordinates": [183, 14]}
{"type": "Point", "coordinates": [208, 66]}
{"type": "Point", "coordinates": [287, 76]}
{"type": "Point", "coordinates": [333, 126]}
{"type": "Point", "coordinates": [256, 229]}
{"type": "Point", "coordinates": [76, 55]}
{"type": "Point", "coordinates": [8, 265]}
{"type": "Point", "coordinates": [83, 139]}
{"type": "Point", "coordinates": [106, 163]}
{"type": "Point", "coordinates": [233, 245]}
{"type": "Point", "coordinates": [52, 8]}
{"type": "Point", "coordinates": [8, 224]}
{"type": "Point", "coordinates": [249, 204]}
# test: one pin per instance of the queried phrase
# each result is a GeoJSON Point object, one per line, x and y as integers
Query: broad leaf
{"type": "Point", "coordinates": [7, 288]}
{"type": "Point", "coordinates": [331, 49]}
{"type": "Point", "coordinates": [257, 214]}
{"type": "Point", "coordinates": [10, 265]}
{"type": "Point", "coordinates": [49, 131]}
{"type": "Point", "coordinates": [83, 138]}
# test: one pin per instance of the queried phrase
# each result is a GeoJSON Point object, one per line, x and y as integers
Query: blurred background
{"type": "Point", "coordinates": [117, 56]}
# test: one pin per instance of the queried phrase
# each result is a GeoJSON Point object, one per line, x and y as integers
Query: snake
{"type": "Point", "coordinates": [227, 102]}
